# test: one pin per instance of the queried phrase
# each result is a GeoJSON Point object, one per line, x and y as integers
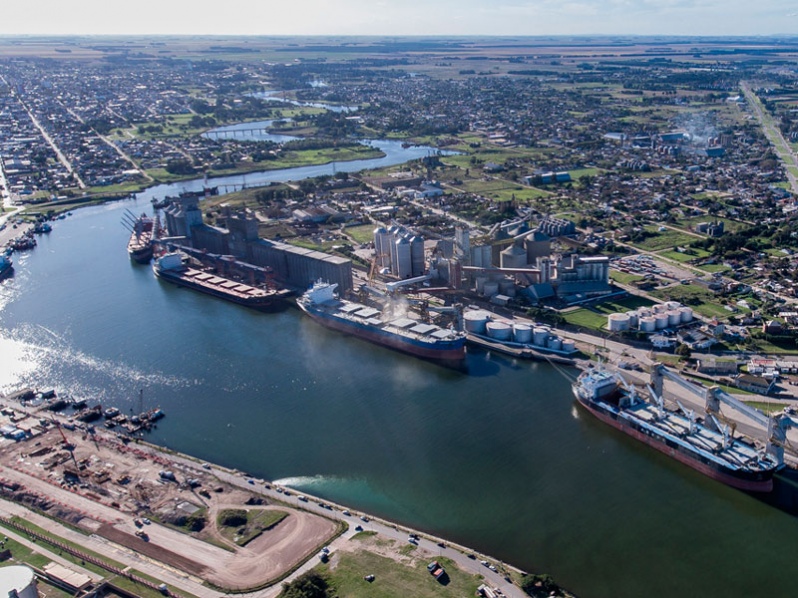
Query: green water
{"type": "Point", "coordinates": [499, 459]}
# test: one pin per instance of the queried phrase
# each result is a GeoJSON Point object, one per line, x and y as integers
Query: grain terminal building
{"type": "Point", "coordinates": [295, 266]}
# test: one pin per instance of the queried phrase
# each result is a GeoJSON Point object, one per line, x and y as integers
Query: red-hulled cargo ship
{"type": "Point", "coordinates": [708, 449]}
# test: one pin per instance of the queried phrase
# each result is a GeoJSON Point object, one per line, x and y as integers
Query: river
{"type": "Point", "coordinates": [499, 458]}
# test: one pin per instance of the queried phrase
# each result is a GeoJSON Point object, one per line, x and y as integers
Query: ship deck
{"type": "Point", "coordinates": [218, 283]}
{"type": "Point", "coordinates": [405, 327]}
{"type": "Point", "coordinates": [702, 440]}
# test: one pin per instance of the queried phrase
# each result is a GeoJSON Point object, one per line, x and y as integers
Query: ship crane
{"type": "Point", "coordinates": [658, 400]}
{"type": "Point", "coordinates": [776, 426]}
{"type": "Point", "coordinates": [690, 414]}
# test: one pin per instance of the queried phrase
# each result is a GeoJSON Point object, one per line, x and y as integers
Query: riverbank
{"type": "Point", "coordinates": [101, 499]}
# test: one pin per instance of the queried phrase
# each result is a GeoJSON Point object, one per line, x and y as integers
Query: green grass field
{"type": "Point", "coordinates": [700, 299]}
{"type": "Point", "coordinates": [361, 234]}
{"type": "Point", "coordinates": [664, 239]}
{"type": "Point", "coordinates": [595, 317]}
{"type": "Point", "coordinates": [393, 579]}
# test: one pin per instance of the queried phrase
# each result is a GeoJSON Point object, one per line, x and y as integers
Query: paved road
{"type": "Point", "coordinates": [773, 134]}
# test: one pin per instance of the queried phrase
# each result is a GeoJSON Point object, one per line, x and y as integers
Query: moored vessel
{"type": "Point", "coordinates": [173, 268]}
{"type": "Point", "coordinates": [139, 246]}
{"type": "Point", "coordinates": [6, 266]}
{"type": "Point", "coordinates": [404, 334]}
{"type": "Point", "coordinates": [706, 446]}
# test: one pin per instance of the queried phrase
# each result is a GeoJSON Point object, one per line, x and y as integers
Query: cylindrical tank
{"type": "Point", "coordinates": [643, 312]}
{"type": "Point", "coordinates": [490, 288]}
{"type": "Point", "coordinates": [539, 336]}
{"type": "Point", "coordinates": [475, 321]}
{"type": "Point", "coordinates": [633, 318]}
{"type": "Point", "coordinates": [618, 322]}
{"type": "Point", "coordinates": [19, 579]}
{"type": "Point", "coordinates": [661, 320]}
{"type": "Point", "coordinates": [685, 314]}
{"type": "Point", "coordinates": [512, 257]}
{"type": "Point", "coordinates": [568, 346]}
{"type": "Point", "coordinates": [380, 242]}
{"type": "Point", "coordinates": [522, 333]}
{"type": "Point", "coordinates": [674, 318]}
{"type": "Point", "coordinates": [660, 308]}
{"type": "Point", "coordinates": [554, 343]}
{"type": "Point", "coordinates": [501, 331]}
{"type": "Point", "coordinates": [404, 264]}
{"type": "Point", "coordinates": [671, 305]}
{"type": "Point", "coordinates": [648, 324]}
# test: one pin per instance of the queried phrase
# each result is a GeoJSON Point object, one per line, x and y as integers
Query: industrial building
{"type": "Point", "coordinates": [295, 266]}
{"type": "Point", "coordinates": [400, 251]}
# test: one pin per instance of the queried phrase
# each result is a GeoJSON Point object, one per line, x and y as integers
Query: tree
{"type": "Point", "coordinates": [309, 585]}
{"type": "Point", "coordinates": [684, 352]}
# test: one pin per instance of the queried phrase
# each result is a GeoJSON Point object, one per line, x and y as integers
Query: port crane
{"type": "Point", "coordinates": [775, 425]}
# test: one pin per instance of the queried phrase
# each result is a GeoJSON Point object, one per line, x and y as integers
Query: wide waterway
{"type": "Point", "coordinates": [499, 459]}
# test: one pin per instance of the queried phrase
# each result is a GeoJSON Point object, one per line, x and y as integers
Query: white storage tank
{"type": "Point", "coordinates": [661, 320]}
{"type": "Point", "coordinates": [648, 324]}
{"type": "Point", "coordinates": [618, 322]}
{"type": "Point", "coordinates": [685, 314]}
{"type": "Point", "coordinates": [501, 331]}
{"type": "Point", "coordinates": [554, 343]}
{"type": "Point", "coordinates": [660, 308]}
{"type": "Point", "coordinates": [403, 266]}
{"type": "Point", "coordinates": [19, 579]}
{"type": "Point", "coordinates": [643, 312]}
{"type": "Point", "coordinates": [633, 319]}
{"type": "Point", "coordinates": [490, 288]}
{"type": "Point", "coordinates": [539, 336]}
{"type": "Point", "coordinates": [674, 318]}
{"type": "Point", "coordinates": [568, 346]}
{"type": "Point", "coordinates": [672, 305]}
{"type": "Point", "coordinates": [522, 333]}
{"type": "Point", "coordinates": [475, 321]}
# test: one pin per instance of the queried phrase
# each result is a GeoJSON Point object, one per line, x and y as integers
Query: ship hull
{"type": "Point", "coordinates": [447, 351]}
{"type": "Point", "coordinates": [748, 481]}
{"type": "Point", "coordinates": [272, 302]}
{"type": "Point", "coordinates": [141, 255]}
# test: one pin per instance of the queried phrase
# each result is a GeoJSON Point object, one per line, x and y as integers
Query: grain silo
{"type": "Point", "coordinates": [501, 331]}
{"type": "Point", "coordinates": [475, 321]}
{"type": "Point", "coordinates": [648, 324]}
{"type": "Point", "coordinates": [522, 333]}
{"type": "Point", "coordinates": [617, 322]}
{"type": "Point", "coordinates": [18, 580]}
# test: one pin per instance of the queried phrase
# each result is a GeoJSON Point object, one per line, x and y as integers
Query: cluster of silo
{"type": "Point", "coordinates": [401, 251]}
{"type": "Point", "coordinates": [482, 322]}
{"type": "Point", "coordinates": [651, 319]}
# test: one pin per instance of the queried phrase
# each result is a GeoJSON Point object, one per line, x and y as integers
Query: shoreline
{"type": "Point", "coordinates": [469, 561]}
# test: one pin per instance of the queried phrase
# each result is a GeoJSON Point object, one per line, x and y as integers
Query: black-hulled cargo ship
{"type": "Point", "coordinates": [172, 267]}
{"type": "Point", "coordinates": [713, 452]}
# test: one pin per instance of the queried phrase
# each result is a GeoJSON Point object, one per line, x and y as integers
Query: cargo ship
{"type": "Point", "coordinates": [708, 448]}
{"type": "Point", "coordinates": [404, 334]}
{"type": "Point", "coordinates": [139, 247]}
{"type": "Point", "coordinates": [173, 268]}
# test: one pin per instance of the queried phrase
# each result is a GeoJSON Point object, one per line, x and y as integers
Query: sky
{"type": "Point", "coordinates": [401, 17]}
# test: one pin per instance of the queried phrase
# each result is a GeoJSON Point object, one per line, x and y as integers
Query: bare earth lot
{"type": "Point", "coordinates": [105, 484]}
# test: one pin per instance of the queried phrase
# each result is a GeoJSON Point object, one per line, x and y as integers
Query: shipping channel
{"type": "Point", "coordinates": [499, 459]}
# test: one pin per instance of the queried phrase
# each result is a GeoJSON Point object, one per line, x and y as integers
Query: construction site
{"type": "Point", "coordinates": [189, 516]}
